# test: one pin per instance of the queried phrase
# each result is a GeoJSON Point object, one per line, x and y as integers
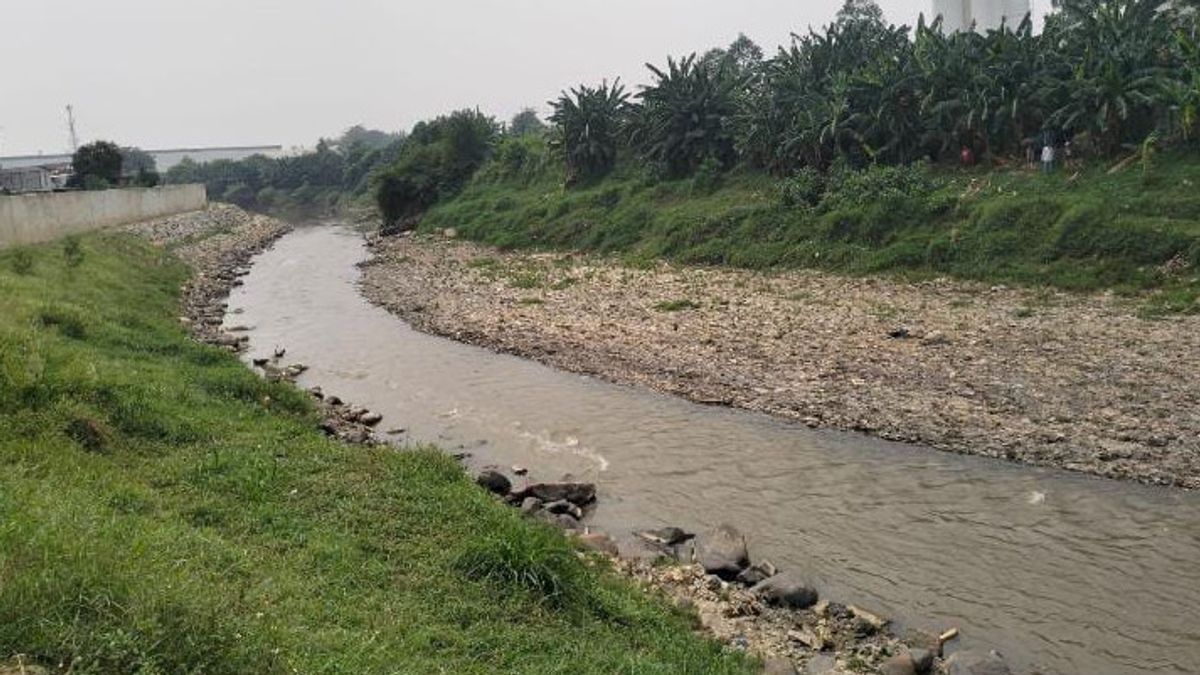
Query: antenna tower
{"type": "Point", "coordinates": [71, 127]}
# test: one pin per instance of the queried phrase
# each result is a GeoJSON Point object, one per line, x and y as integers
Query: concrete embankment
{"type": "Point", "coordinates": [36, 218]}
{"type": "Point", "coordinates": [1080, 382]}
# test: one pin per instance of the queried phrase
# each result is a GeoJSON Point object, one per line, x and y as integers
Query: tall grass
{"type": "Point", "coordinates": [164, 510]}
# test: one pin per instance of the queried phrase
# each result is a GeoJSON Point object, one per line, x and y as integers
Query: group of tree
{"type": "Point", "coordinates": [1105, 74]}
{"type": "Point", "coordinates": [103, 164]}
{"type": "Point", "coordinates": [302, 183]}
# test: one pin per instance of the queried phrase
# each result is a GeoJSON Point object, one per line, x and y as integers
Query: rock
{"type": "Point", "coordinates": [821, 664]}
{"type": "Point", "coordinates": [756, 574]}
{"type": "Point", "coordinates": [935, 338]}
{"type": "Point", "coordinates": [530, 505]}
{"type": "Point", "coordinates": [261, 362]}
{"type": "Point", "coordinates": [778, 666]}
{"type": "Point", "coordinates": [900, 664]}
{"type": "Point", "coordinates": [316, 393]}
{"type": "Point", "coordinates": [564, 506]}
{"type": "Point", "coordinates": [579, 494]}
{"type": "Point", "coordinates": [494, 482]}
{"type": "Point", "coordinates": [922, 660]}
{"type": "Point", "coordinates": [398, 431]}
{"type": "Point", "coordinates": [918, 639]}
{"type": "Point", "coordinates": [559, 520]}
{"type": "Point", "coordinates": [599, 542]}
{"type": "Point", "coordinates": [786, 590]}
{"type": "Point", "coordinates": [333, 400]}
{"type": "Point", "coordinates": [898, 333]}
{"type": "Point", "coordinates": [371, 419]}
{"type": "Point", "coordinates": [356, 436]}
{"type": "Point", "coordinates": [667, 536]}
{"type": "Point", "coordinates": [519, 470]}
{"type": "Point", "coordinates": [974, 663]}
{"type": "Point", "coordinates": [450, 233]}
{"type": "Point", "coordinates": [723, 552]}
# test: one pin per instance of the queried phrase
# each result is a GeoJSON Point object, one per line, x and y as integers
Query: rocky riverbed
{"type": "Point", "coordinates": [1080, 382]}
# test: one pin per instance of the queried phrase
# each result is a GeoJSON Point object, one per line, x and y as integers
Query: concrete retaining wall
{"type": "Point", "coordinates": [35, 218]}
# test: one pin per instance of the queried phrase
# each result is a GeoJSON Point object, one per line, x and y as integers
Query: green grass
{"type": "Point", "coordinates": [164, 510]}
{"type": "Point", "coordinates": [1129, 232]}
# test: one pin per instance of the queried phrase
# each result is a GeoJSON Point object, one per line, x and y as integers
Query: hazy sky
{"type": "Point", "coordinates": [175, 73]}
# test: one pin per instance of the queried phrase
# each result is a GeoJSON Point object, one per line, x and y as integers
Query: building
{"type": "Point", "coordinates": [980, 15]}
{"type": "Point", "coordinates": [26, 179]}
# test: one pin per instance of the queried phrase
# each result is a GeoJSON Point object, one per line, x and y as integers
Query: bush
{"type": "Point", "coordinates": [73, 251]}
{"type": "Point", "coordinates": [803, 188]}
{"type": "Point", "coordinates": [22, 261]}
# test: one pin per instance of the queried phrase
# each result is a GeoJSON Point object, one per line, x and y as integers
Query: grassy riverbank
{"type": "Point", "coordinates": [1135, 231]}
{"type": "Point", "coordinates": [164, 510]}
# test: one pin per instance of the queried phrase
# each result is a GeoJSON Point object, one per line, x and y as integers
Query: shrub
{"type": "Point", "coordinates": [803, 188]}
{"type": "Point", "coordinates": [22, 261]}
{"type": "Point", "coordinates": [73, 251]}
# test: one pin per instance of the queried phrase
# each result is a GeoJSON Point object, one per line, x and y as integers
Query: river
{"type": "Point", "coordinates": [1060, 573]}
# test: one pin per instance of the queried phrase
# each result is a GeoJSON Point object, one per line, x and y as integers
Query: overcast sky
{"type": "Point", "coordinates": [184, 73]}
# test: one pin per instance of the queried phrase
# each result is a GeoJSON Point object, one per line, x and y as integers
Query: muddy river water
{"type": "Point", "coordinates": [1061, 573]}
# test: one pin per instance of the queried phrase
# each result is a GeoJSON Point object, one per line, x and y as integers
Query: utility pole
{"type": "Point", "coordinates": [71, 128]}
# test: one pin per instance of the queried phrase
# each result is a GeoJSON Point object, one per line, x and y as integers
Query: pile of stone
{"type": "Point", "coordinates": [218, 243]}
{"type": "Point", "coordinates": [748, 604]}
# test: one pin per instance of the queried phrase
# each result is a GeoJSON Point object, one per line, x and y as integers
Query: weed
{"type": "Point", "coordinates": [676, 305]}
{"type": "Point", "coordinates": [22, 261]}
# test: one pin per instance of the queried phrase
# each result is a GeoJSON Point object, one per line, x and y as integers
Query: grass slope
{"type": "Point", "coordinates": [1134, 231]}
{"type": "Point", "coordinates": [164, 510]}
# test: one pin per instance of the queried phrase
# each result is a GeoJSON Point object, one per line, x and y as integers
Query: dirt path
{"type": "Point", "coordinates": [1079, 382]}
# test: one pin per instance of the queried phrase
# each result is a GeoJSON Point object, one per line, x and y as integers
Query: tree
{"type": "Point", "coordinates": [588, 122]}
{"type": "Point", "coordinates": [97, 165]}
{"type": "Point", "coordinates": [526, 123]}
{"type": "Point", "coordinates": [686, 116]}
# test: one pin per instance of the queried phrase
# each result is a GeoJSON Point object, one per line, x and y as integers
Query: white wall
{"type": "Point", "coordinates": [36, 218]}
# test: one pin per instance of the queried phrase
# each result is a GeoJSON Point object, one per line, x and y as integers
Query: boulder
{"type": "Point", "coordinates": [559, 520]}
{"type": "Point", "coordinates": [786, 590]}
{"type": "Point", "coordinates": [494, 482]}
{"type": "Point", "coordinates": [723, 552]}
{"type": "Point", "coordinates": [371, 419]}
{"type": "Point", "coordinates": [922, 660]}
{"type": "Point", "coordinates": [975, 663]}
{"type": "Point", "coordinates": [530, 505]}
{"type": "Point", "coordinates": [757, 573]}
{"type": "Point", "coordinates": [579, 494]}
{"type": "Point", "coordinates": [900, 664]}
{"type": "Point", "coordinates": [564, 506]}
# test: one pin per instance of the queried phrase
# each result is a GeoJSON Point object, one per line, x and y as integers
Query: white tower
{"type": "Point", "coordinates": [984, 15]}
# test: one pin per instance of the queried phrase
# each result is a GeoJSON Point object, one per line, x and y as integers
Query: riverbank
{"type": "Point", "coordinates": [167, 510]}
{"type": "Point", "coordinates": [1083, 382]}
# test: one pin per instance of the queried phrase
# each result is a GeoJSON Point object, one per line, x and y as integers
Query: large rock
{"type": "Point", "coordinates": [922, 660]}
{"type": "Point", "coordinates": [667, 536]}
{"type": "Point", "coordinates": [579, 494]}
{"type": "Point", "coordinates": [786, 590]}
{"type": "Point", "coordinates": [494, 482]}
{"type": "Point", "coordinates": [821, 664]}
{"type": "Point", "coordinates": [723, 552]}
{"type": "Point", "coordinates": [975, 663]}
{"type": "Point", "coordinates": [900, 664]}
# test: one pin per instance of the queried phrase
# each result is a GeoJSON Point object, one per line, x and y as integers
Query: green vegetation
{"type": "Point", "coordinates": [1129, 231]}
{"type": "Point", "coordinates": [164, 510]}
{"type": "Point", "coordinates": [97, 166]}
{"type": "Point", "coordinates": [676, 305]}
